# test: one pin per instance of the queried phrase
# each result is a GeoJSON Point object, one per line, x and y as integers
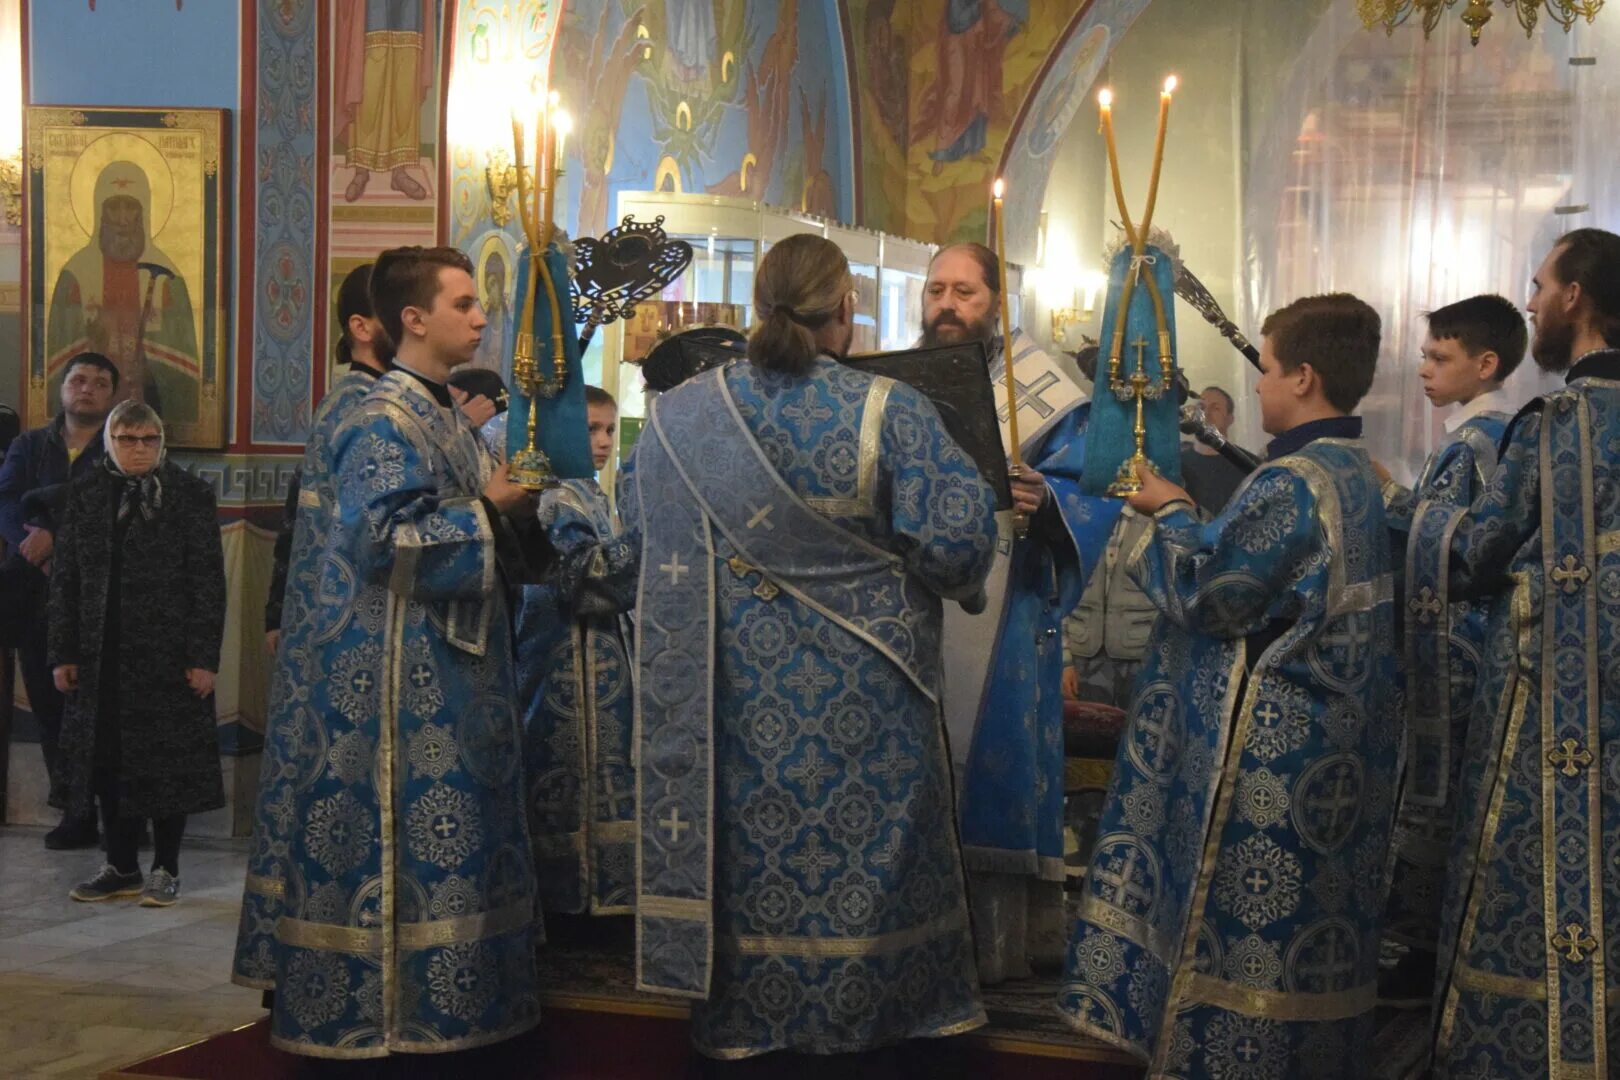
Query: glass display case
{"type": "Point", "coordinates": [728, 237]}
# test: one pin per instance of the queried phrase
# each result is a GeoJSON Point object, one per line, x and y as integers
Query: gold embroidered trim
{"type": "Point", "coordinates": [877, 399]}
{"type": "Point", "coordinates": [614, 832]}
{"type": "Point", "coordinates": [1608, 543]}
{"type": "Point", "coordinates": [833, 947]}
{"type": "Point", "coordinates": [328, 937]}
{"type": "Point", "coordinates": [407, 549]}
{"type": "Point", "coordinates": [673, 907]}
{"type": "Point", "coordinates": [1489, 982]}
{"type": "Point", "coordinates": [1362, 596]}
{"type": "Point", "coordinates": [487, 924]}
{"type": "Point", "coordinates": [826, 504]}
{"type": "Point", "coordinates": [1292, 1006]}
{"type": "Point", "coordinates": [274, 888]}
{"type": "Point", "coordinates": [309, 497]}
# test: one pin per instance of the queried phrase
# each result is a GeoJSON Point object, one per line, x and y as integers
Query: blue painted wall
{"type": "Point", "coordinates": [134, 52]}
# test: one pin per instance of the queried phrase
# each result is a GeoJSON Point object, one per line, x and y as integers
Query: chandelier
{"type": "Point", "coordinates": [1475, 14]}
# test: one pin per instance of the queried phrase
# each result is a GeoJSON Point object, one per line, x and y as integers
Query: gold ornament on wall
{"type": "Point", "coordinates": [1475, 14]}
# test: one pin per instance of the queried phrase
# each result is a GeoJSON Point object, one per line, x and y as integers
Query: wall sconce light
{"type": "Point", "coordinates": [1082, 304]}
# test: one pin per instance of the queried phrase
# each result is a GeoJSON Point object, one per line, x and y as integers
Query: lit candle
{"type": "Point", "coordinates": [1105, 99]}
{"type": "Point", "coordinates": [565, 127]}
{"type": "Point", "coordinates": [1006, 330]}
{"type": "Point", "coordinates": [1158, 149]}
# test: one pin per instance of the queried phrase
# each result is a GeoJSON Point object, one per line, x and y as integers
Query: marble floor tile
{"type": "Point", "coordinates": [89, 987]}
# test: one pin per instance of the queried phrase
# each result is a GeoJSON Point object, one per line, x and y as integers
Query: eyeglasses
{"type": "Point", "coordinates": [129, 442]}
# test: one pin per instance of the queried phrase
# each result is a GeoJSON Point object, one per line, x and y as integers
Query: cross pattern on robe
{"type": "Point", "coordinates": [675, 568]}
{"type": "Point", "coordinates": [1332, 962]}
{"type": "Point", "coordinates": [805, 417]}
{"type": "Point", "coordinates": [421, 675]}
{"type": "Point", "coordinates": [466, 978]}
{"type": "Point", "coordinates": [613, 796]}
{"type": "Point", "coordinates": [1570, 575]}
{"type": "Point", "coordinates": [1426, 605]}
{"type": "Point", "coordinates": [1028, 396]}
{"type": "Point", "coordinates": [446, 826]}
{"type": "Point", "coordinates": [811, 772]}
{"type": "Point", "coordinates": [674, 825]}
{"type": "Point", "coordinates": [1571, 755]}
{"type": "Point", "coordinates": [339, 833]}
{"type": "Point", "coordinates": [810, 680]}
{"type": "Point", "coordinates": [1125, 881]}
{"type": "Point", "coordinates": [1247, 1049]}
{"type": "Point", "coordinates": [1576, 941]}
{"type": "Point", "coordinates": [1340, 799]}
{"type": "Point", "coordinates": [1268, 714]}
{"type": "Point", "coordinates": [432, 750]}
{"type": "Point", "coordinates": [1154, 723]}
{"type": "Point", "coordinates": [813, 860]}
{"type": "Point", "coordinates": [1350, 638]}
{"type": "Point", "coordinates": [362, 682]}
{"type": "Point", "coordinates": [761, 516]}
{"type": "Point", "coordinates": [1258, 880]}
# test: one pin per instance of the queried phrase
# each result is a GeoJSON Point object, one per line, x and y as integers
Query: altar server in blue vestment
{"type": "Point", "coordinates": [365, 349]}
{"type": "Point", "coordinates": [574, 686]}
{"type": "Point", "coordinates": [1004, 666]}
{"type": "Point", "coordinates": [407, 915]}
{"type": "Point", "coordinates": [800, 524]}
{"type": "Point", "coordinates": [1471, 348]}
{"type": "Point", "coordinates": [1230, 919]}
{"type": "Point", "coordinates": [1530, 929]}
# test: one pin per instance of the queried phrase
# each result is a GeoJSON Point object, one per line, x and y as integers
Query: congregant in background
{"type": "Point", "coordinates": [1211, 479]}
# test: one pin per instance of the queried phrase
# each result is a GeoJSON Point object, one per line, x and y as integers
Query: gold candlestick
{"type": "Point", "coordinates": [1138, 387]}
{"type": "Point", "coordinates": [1016, 467]}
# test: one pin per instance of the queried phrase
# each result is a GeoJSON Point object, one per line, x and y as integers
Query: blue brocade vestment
{"type": "Point", "coordinates": [1229, 923]}
{"type": "Point", "coordinates": [799, 869]}
{"type": "Point", "coordinates": [574, 687]}
{"type": "Point", "coordinates": [1530, 929]}
{"type": "Point", "coordinates": [404, 918]}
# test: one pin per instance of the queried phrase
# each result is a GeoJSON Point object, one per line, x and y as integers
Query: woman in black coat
{"type": "Point", "coordinates": [137, 614]}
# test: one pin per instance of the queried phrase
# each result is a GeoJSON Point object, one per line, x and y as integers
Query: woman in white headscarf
{"type": "Point", "coordinates": [137, 614]}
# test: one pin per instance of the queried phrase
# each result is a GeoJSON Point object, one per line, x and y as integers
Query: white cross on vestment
{"type": "Point", "coordinates": [1028, 396]}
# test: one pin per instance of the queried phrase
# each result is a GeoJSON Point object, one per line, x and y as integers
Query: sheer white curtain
{"type": "Point", "coordinates": [1416, 173]}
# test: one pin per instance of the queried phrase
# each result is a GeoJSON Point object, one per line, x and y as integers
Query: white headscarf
{"type": "Point", "coordinates": [144, 490]}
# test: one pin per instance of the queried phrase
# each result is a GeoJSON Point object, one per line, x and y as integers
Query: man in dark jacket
{"type": "Point", "coordinates": [33, 483]}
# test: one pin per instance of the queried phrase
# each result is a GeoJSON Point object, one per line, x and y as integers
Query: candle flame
{"type": "Point", "coordinates": [1000, 187]}
{"type": "Point", "coordinates": [562, 123]}
{"type": "Point", "coordinates": [554, 99]}
{"type": "Point", "coordinates": [1170, 84]}
{"type": "Point", "coordinates": [1105, 98]}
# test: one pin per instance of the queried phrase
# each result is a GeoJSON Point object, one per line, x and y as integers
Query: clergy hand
{"type": "Point", "coordinates": [66, 677]}
{"type": "Point", "coordinates": [1028, 490]}
{"type": "Point", "coordinates": [1156, 493]}
{"type": "Point", "coordinates": [272, 641]}
{"type": "Point", "coordinates": [509, 499]}
{"type": "Point", "coordinates": [37, 545]}
{"type": "Point", "coordinates": [1380, 472]}
{"type": "Point", "coordinates": [477, 409]}
{"type": "Point", "coordinates": [200, 681]}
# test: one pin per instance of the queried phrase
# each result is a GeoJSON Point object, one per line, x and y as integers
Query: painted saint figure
{"type": "Point", "coordinates": [121, 296]}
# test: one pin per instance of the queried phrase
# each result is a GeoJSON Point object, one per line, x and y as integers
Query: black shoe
{"type": "Point", "coordinates": [72, 834]}
{"type": "Point", "coordinates": [108, 884]}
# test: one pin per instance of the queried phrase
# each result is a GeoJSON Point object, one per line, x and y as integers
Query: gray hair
{"type": "Point", "coordinates": [133, 413]}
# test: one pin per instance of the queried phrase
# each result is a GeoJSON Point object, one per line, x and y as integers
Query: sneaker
{"type": "Point", "coordinates": [108, 884]}
{"type": "Point", "coordinates": [72, 834]}
{"type": "Point", "coordinates": [162, 889]}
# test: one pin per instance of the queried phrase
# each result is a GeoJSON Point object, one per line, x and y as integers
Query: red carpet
{"type": "Point", "coordinates": [575, 1044]}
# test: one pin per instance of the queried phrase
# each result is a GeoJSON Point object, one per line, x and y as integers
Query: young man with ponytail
{"type": "Point", "coordinates": [800, 524]}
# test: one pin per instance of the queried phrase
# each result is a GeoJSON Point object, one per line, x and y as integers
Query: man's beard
{"type": "Point", "coordinates": [974, 331]}
{"type": "Point", "coordinates": [1554, 344]}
